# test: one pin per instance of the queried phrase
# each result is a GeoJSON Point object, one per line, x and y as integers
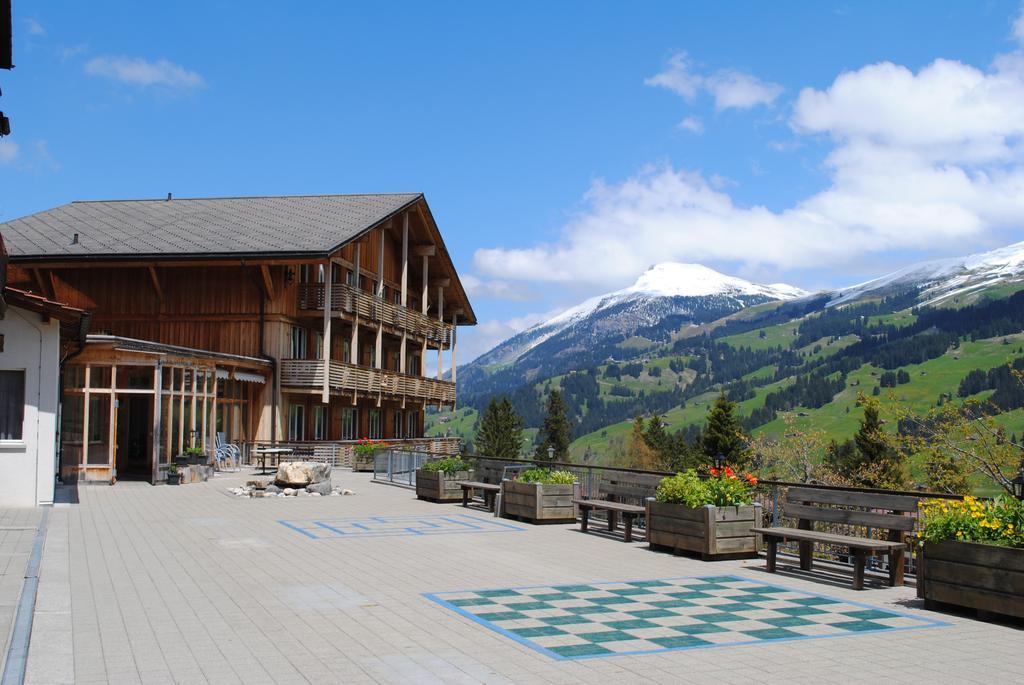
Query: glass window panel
{"type": "Point", "coordinates": [375, 425]}
{"type": "Point", "coordinates": [12, 404]}
{"type": "Point", "coordinates": [74, 376]}
{"type": "Point", "coordinates": [135, 377]}
{"type": "Point", "coordinates": [99, 429]}
{"type": "Point", "coordinates": [71, 417]}
{"type": "Point", "coordinates": [99, 377]}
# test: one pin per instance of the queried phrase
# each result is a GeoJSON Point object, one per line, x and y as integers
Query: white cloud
{"type": "Point", "coordinates": [8, 151]}
{"type": "Point", "coordinates": [919, 161]}
{"type": "Point", "coordinates": [497, 289]}
{"type": "Point", "coordinates": [692, 124]}
{"type": "Point", "coordinates": [34, 28]}
{"type": "Point", "coordinates": [729, 88]}
{"type": "Point", "coordinates": [487, 334]}
{"type": "Point", "coordinates": [678, 77]}
{"type": "Point", "coordinates": [137, 71]}
{"type": "Point", "coordinates": [737, 90]}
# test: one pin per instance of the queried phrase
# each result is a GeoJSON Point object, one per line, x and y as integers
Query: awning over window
{"type": "Point", "coordinates": [246, 376]}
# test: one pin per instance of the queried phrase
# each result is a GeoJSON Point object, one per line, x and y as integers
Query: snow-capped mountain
{"type": "Point", "coordinates": [941, 279]}
{"type": "Point", "coordinates": [663, 298]}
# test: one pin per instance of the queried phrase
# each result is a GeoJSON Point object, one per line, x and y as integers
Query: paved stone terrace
{"type": "Point", "coordinates": [190, 585]}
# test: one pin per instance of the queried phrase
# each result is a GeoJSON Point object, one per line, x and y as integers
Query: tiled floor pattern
{"type": "Point", "coordinates": [396, 526]}
{"type": "Point", "coordinates": [636, 617]}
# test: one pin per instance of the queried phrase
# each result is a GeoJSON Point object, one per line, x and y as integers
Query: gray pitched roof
{"type": "Point", "coordinates": [198, 227]}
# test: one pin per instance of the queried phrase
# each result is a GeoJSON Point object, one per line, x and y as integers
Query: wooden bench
{"type": "Point", "coordinates": [808, 505]}
{"type": "Point", "coordinates": [618, 494]}
{"type": "Point", "coordinates": [488, 474]}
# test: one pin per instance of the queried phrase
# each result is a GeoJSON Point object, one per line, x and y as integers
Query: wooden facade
{"type": "Point", "coordinates": [364, 367]}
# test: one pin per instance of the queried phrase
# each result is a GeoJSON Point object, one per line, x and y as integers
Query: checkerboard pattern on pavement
{"type": "Point", "coordinates": [635, 617]}
{"type": "Point", "coordinates": [395, 526]}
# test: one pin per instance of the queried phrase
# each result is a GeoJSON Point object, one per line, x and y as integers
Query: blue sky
{"type": "Point", "coordinates": [563, 147]}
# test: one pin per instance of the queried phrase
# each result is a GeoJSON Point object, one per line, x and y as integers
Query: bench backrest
{"type": "Point", "coordinates": [489, 471]}
{"type": "Point", "coordinates": [885, 512]}
{"type": "Point", "coordinates": [621, 486]}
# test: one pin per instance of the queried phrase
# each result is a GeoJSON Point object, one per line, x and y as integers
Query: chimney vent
{"type": "Point", "coordinates": [74, 239]}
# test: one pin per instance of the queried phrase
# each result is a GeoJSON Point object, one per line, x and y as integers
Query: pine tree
{"type": "Point", "coordinates": [640, 455]}
{"type": "Point", "coordinates": [869, 459]}
{"type": "Point", "coordinates": [723, 434]}
{"type": "Point", "coordinates": [555, 431]}
{"type": "Point", "coordinates": [501, 430]}
{"type": "Point", "coordinates": [658, 439]}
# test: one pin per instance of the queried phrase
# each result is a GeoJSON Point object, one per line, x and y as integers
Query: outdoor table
{"type": "Point", "coordinates": [273, 451]}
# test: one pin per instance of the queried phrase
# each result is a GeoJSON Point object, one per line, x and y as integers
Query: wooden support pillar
{"type": "Point", "coordinates": [379, 349]}
{"type": "Point", "coordinates": [440, 318]}
{"type": "Point", "coordinates": [455, 323]}
{"type": "Point", "coordinates": [355, 322]}
{"type": "Point", "coordinates": [423, 307]}
{"type": "Point", "coordinates": [325, 394]}
{"type": "Point", "coordinates": [405, 292]}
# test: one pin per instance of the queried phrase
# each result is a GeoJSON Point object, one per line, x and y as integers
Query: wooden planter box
{"type": "Point", "coordinates": [713, 532]}
{"type": "Point", "coordinates": [438, 486]}
{"type": "Point", "coordinates": [536, 503]}
{"type": "Point", "coordinates": [971, 575]}
{"type": "Point", "coordinates": [362, 462]}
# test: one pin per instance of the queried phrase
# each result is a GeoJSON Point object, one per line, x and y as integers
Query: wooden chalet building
{"type": "Point", "coordinates": [209, 316]}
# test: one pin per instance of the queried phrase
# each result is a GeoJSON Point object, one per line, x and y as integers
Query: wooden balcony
{"type": "Point", "coordinates": [349, 300]}
{"type": "Point", "coordinates": [348, 378]}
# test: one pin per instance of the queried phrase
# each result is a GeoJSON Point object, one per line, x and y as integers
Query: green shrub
{"type": "Point", "coordinates": [722, 488]}
{"type": "Point", "coordinates": [547, 477]}
{"type": "Point", "coordinates": [448, 465]}
{"type": "Point", "coordinates": [193, 451]}
{"type": "Point", "coordinates": [998, 522]}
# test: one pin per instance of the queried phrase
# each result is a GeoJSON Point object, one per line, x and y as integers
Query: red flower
{"type": "Point", "coordinates": [751, 479]}
{"type": "Point", "coordinates": [729, 473]}
{"type": "Point", "coordinates": [714, 472]}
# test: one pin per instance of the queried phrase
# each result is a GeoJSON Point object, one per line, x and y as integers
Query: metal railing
{"type": "Point", "coordinates": [398, 467]}
{"type": "Point", "coordinates": [770, 494]}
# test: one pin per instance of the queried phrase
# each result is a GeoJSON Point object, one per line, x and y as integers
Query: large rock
{"type": "Point", "coordinates": [302, 473]}
{"type": "Point", "coordinates": [321, 488]}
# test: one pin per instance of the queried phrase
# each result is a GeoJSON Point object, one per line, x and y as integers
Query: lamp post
{"type": "Point", "coordinates": [1018, 485]}
{"type": "Point", "coordinates": [551, 453]}
{"type": "Point", "coordinates": [720, 461]}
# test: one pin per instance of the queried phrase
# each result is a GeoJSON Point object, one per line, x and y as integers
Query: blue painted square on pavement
{"type": "Point", "coordinates": [398, 526]}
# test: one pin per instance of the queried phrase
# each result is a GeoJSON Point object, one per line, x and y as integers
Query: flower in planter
{"type": "Point", "coordinates": [366, 446]}
{"type": "Point", "coordinates": [723, 488]}
{"type": "Point", "coordinates": [547, 477]}
{"type": "Point", "coordinates": [448, 465]}
{"type": "Point", "coordinates": [993, 522]}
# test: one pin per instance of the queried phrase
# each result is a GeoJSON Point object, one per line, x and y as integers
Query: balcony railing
{"type": "Point", "coordinates": [345, 298]}
{"type": "Point", "coordinates": [309, 373]}
{"type": "Point", "coordinates": [342, 452]}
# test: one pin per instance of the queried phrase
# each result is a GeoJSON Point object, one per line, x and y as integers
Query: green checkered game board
{"type": "Point", "coordinates": [635, 617]}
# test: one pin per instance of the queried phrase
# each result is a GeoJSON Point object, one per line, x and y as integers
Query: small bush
{"type": "Point", "coordinates": [547, 477]}
{"type": "Point", "coordinates": [448, 465]}
{"type": "Point", "coordinates": [724, 488]}
{"type": "Point", "coordinates": [999, 522]}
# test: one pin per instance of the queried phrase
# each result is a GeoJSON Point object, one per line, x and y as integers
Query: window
{"type": "Point", "coordinates": [346, 352]}
{"type": "Point", "coordinates": [396, 358]}
{"type": "Point", "coordinates": [371, 351]}
{"type": "Point", "coordinates": [375, 425]}
{"type": "Point", "coordinates": [414, 366]}
{"type": "Point", "coordinates": [296, 422]}
{"type": "Point", "coordinates": [305, 273]}
{"type": "Point", "coordinates": [350, 277]}
{"type": "Point", "coordinates": [319, 345]}
{"type": "Point", "coordinates": [298, 343]}
{"type": "Point", "coordinates": [349, 424]}
{"type": "Point", "coordinates": [12, 404]}
{"type": "Point", "coordinates": [320, 273]}
{"type": "Point", "coordinates": [410, 425]}
{"type": "Point", "coordinates": [320, 422]}
{"type": "Point", "coordinates": [399, 427]}
{"type": "Point", "coordinates": [335, 273]}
